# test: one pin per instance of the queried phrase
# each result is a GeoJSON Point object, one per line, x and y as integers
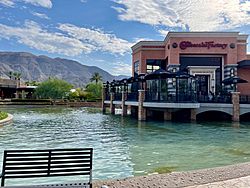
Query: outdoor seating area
{"type": "Point", "coordinates": [48, 163]}
{"type": "Point", "coordinates": [171, 87]}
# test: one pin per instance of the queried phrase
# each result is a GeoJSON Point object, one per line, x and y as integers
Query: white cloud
{"type": "Point", "coordinates": [163, 32]}
{"type": "Point", "coordinates": [120, 68]}
{"type": "Point", "coordinates": [196, 15]}
{"type": "Point", "coordinates": [98, 39]}
{"type": "Point", "coordinates": [74, 42]}
{"type": "Point", "coordinates": [40, 15]}
{"type": "Point", "coordinates": [35, 37]}
{"type": "Point", "coordinates": [42, 3]}
{"type": "Point", "coordinates": [8, 3]}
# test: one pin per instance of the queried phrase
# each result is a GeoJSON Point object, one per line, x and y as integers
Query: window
{"type": "Point", "coordinates": [136, 68]}
{"type": "Point", "coordinates": [155, 64]}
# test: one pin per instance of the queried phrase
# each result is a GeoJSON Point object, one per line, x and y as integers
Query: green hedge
{"type": "Point", "coordinates": [3, 115]}
{"type": "Point", "coordinates": [30, 100]}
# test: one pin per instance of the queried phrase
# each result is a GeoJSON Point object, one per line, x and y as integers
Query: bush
{"type": "Point", "coordinates": [53, 89]}
{"type": "Point", "coordinates": [94, 91]}
{"type": "Point", "coordinates": [3, 115]}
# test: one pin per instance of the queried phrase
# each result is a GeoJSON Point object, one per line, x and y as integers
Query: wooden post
{"type": "Point", "coordinates": [142, 116]}
{"type": "Point", "coordinates": [103, 99]}
{"type": "Point", "coordinates": [193, 114]}
{"type": "Point", "coordinates": [124, 107]}
{"type": "Point", "coordinates": [112, 106]}
{"type": "Point", "coordinates": [167, 116]}
{"type": "Point", "coordinates": [236, 106]}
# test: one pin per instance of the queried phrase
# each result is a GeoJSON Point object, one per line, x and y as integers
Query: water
{"type": "Point", "coordinates": [124, 147]}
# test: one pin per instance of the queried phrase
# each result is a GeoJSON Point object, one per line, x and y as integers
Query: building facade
{"type": "Point", "coordinates": [210, 57]}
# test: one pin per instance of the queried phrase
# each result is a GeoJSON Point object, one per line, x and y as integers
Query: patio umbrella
{"type": "Point", "coordinates": [159, 74]}
{"type": "Point", "coordinates": [234, 80]}
{"type": "Point", "coordinates": [182, 74]}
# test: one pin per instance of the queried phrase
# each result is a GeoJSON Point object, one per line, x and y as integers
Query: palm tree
{"type": "Point", "coordinates": [96, 77]}
{"type": "Point", "coordinates": [10, 74]}
{"type": "Point", "coordinates": [17, 76]}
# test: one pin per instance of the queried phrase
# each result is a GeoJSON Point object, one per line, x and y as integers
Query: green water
{"type": "Point", "coordinates": [123, 146]}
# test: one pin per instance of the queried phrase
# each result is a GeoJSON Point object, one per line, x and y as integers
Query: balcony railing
{"type": "Point", "coordinates": [118, 96]}
{"type": "Point", "coordinates": [214, 99]}
{"type": "Point", "coordinates": [132, 96]}
{"type": "Point", "coordinates": [107, 96]}
{"type": "Point", "coordinates": [244, 99]}
{"type": "Point", "coordinates": [170, 98]}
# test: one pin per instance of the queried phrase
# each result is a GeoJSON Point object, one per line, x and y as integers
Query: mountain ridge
{"type": "Point", "coordinates": [40, 67]}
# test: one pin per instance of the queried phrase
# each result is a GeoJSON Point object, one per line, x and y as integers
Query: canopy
{"type": "Point", "coordinates": [234, 80]}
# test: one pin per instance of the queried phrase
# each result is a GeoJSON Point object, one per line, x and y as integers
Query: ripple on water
{"type": "Point", "coordinates": [124, 147]}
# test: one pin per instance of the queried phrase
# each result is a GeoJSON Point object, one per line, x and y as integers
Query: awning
{"type": "Point", "coordinates": [234, 80]}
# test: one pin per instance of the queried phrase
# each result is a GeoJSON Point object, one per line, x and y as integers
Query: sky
{"type": "Point", "coordinates": [101, 32]}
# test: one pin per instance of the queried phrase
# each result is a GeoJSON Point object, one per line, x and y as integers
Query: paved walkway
{"type": "Point", "coordinates": [233, 176]}
{"type": "Point", "coordinates": [243, 182]}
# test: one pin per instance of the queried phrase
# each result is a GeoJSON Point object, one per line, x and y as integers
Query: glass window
{"type": "Point", "coordinates": [136, 68]}
{"type": "Point", "coordinates": [155, 64]}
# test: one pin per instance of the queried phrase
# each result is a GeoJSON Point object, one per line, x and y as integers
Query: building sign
{"type": "Point", "coordinates": [211, 44]}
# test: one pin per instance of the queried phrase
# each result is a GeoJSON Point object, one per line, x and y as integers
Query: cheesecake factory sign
{"type": "Point", "coordinates": [211, 44]}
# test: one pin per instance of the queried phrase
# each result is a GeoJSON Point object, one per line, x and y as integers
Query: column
{"type": "Point", "coordinates": [23, 94]}
{"type": "Point", "coordinates": [124, 107]}
{"type": "Point", "coordinates": [103, 99]}
{"type": "Point", "coordinates": [236, 106]}
{"type": "Point", "coordinates": [142, 116]}
{"type": "Point", "coordinates": [112, 106]}
{"type": "Point", "coordinates": [167, 116]}
{"type": "Point", "coordinates": [193, 113]}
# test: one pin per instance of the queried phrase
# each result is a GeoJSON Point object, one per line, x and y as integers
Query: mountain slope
{"type": "Point", "coordinates": [40, 68]}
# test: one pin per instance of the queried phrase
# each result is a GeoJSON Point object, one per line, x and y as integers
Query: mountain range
{"type": "Point", "coordinates": [40, 68]}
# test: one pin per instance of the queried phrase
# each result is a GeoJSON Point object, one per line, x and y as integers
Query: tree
{"type": "Point", "coordinates": [17, 75]}
{"type": "Point", "coordinates": [96, 77]}
{"type": "Point", "coordinates": [10, 74]}
{"type": "Point", "coordinates": [53, 88]}
{"type": "Point", "coordinates": [94, 91]}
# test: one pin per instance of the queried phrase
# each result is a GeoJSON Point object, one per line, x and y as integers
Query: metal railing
{"type": "Point", "coordinates": [107, 96]}
{"type": "Point", "coordinates": [117, 96]}
{"type": "Point", "coordinates": [244, 99]}
{"type": "Point", "coordinates": [132, 96]}
{"type": "Point", "coordinates": [170, 98]}
{"type": "Point", "coordinates": [214, 99]}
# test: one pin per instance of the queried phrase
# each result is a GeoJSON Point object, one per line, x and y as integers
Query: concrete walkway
{"type": "Point", "coordinates": [243, 182]}
{"type": "Point", "coordinates": [234, 176]}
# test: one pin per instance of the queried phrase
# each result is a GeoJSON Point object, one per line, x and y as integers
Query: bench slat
{"type": "Point", "coordinates": [45, 167]}
{"type": "Point", "coordinates": [70, 161]}
{"type": "Point", "coordinates": [19, 172]}
{"type": "Point", "coordinates": [27, 159]}
{"type": "Point", "coordinates": [69, 157]}
{"type": "Point", "coordinates": [27, 154]}
{"type": "Point", "coordinates": [70, 170]}
{"type": "Point", "coordinates": [52, 162]}
{"type": "Point", "coordinates": [27, 163]}
{"type": "Point", "coordinates": [39, 176]}
{"type": "Point", "coordinates": [53, 150]}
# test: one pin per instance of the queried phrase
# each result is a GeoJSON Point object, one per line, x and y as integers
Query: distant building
{"type": "Point", "coordinates": [13, 89]}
